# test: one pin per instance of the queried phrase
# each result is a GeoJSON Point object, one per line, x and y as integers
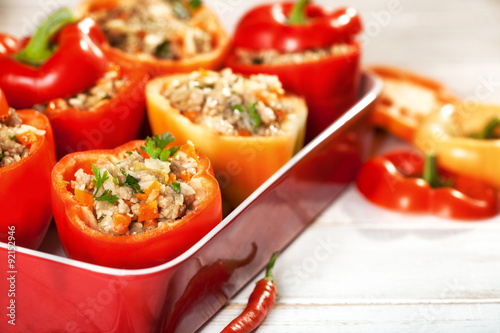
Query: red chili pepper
{"type": "Point", "coordinates": [394, 181]}
{"type": "Point", "coordinates": [336, 76]}
{"type": "Point", "coordinates": [25, 200]}
{"type": "Point", "coordinates": [259, 304]}
{"type": "Point", "coordinates": [37, 74]}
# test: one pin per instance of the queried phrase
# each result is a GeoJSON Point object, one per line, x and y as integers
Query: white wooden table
{"type": "Point", "coordinates": [359, 268]}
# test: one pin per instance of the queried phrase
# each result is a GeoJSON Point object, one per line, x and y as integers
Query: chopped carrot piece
{"type": "Point", "coordinates": [280, 115]}
{"type": "Point", "coordinates": [148, 211]}
{"type": "Point", "coordinates": [172, 177]}
{"type": "Point", "coordinates": [122, 221]}
{"type": "Point", "coordinates": [185, 176]}
{"type": "Point", "coordinates": [144, 196]}
{"type": "Point", "coordinates": [84, 198]}
{"type": "Point", "coordinates": [244, 133]}
{"type": "Point", "coordinates": [150, 223]}
{"type": "Point", "coordinates": [27, 138]}
{"type": "Point", "coordinates": [191, 115]}
{"type": "Point", "coordinates": [190, 151]}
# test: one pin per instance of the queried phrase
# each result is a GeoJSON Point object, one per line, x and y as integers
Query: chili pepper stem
{"type": "Point", "coordinates": [270, 266]}
{"type": "Point", "coordinates": [489, 130]}
{"type": "Point", "coordinates": [39, 47]}
{"type": "Point", "coordinates": [430, 170]}
{"type": "Point", "coordinates": [298, 13]}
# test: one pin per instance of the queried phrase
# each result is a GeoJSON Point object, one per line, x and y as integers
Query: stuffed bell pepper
{"type": "Point", "coordinates": [247, 126]}
{"type": "Point", "coordinates": [95, 104]}
{"type": "Point", "coordinates": [164, 36]}
{"type": "Point", "coordinates": [136, 206]}
{"type": "Point", "coordinates": [27, 155]}
{"type": "Point", "coordinates": [465, 138]}
{"type": "Point", "coordinates": [408, 182]}
{"type": "Point", "coordinates": [312, 50]}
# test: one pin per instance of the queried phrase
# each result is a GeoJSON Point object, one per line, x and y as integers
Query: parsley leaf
{"type": "Point", "coordinates": [155, 146]}
{"type": "Point", "coordinates": [1, 156]}
{"type": "Point", "coordinates": [252, 112]}
{"type": "Point", "coordinates": [116, 181]}
{"type": "Point", "coordinates": [12, 137]}
{"type": "Point", "coordinates": [163, 50]}
{"type": "Point", "coordinates": [132, 182]}
{"type": "Point", "coordinates": [195, 3]}
{"type": "Point", "coordinates": [176, 187]}
{"type": "Point", "coordinates": [254, 115]}
{"type": "Point", "coordinates": [99, 180]}
{"type": "Point", "coordinates": [106, 196]}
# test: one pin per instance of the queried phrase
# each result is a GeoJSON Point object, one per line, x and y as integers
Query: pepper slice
{"type": "Point", "coordinates": [201, 17]}
{"type": "Point", "coordinates": [36, 74]}
{"type": "Point", "coordinates": [336, 76]}
{"type": "Point", "coordinates": [406, 99]}
{"type": "Point", "coordinates": [154, 247]}
{"type": "Point", "coordinates": [241, 163]}
{"type": "Point", "coordinates": [451, 133]}
{"type": "Point", "coordinates": [25, 202]}
{"type": "Point", "coordinates": [110, 123]}
{"type": "Point", "coordinates": [394, 181]}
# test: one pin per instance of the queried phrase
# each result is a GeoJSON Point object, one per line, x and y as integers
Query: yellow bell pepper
{"type": "Point", "coordinates": [458, 134]}
{"type": "Point", "coordinates": [241, 163]}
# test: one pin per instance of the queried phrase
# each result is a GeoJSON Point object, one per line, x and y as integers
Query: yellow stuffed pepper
{"type": "Point", "coordinates": [247, 126]}
{"type": "Point", "coordinates": [465, 139]}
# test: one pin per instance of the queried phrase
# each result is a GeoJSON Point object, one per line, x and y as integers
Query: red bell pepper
{"type": "Point", "coordinates": [154, 247]}
{"type": "Point", "coordinates": [329, 84]}
{"type": "Point", "coordinates": [36, 74]}
{"type": "Point", "coordinates": [25, 202]}
{"type": "Point", "coordinates": [394, 181]}
{"type": "Point", "coordinates": [110, 123]}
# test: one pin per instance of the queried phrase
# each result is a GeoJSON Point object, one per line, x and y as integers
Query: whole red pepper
{"type": "Point", "coordinates": [36, 74]}
{"type": "Point", "coordinates": [259, 304]}
{"type": "Point", "coordinates": [394, 181]}
{"type": "Point", "coordinates": [25, 200]}
{"type": "Point", "coordinates": [329, 84]}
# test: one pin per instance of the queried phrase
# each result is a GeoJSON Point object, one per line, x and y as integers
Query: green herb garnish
{"type": "Point", "coordinates": [99, 180]}
{"type": "Point", "coordinates": [155, 147]}
{"type": "Point", "coordinates": [176, 187]}
{"type": "Point", "coordinates": [195, 3]}
{"type": "Point", "coordinates": [12, 137]}
{"type": "Point", "coordinates": [132, 182]}
{"type": "Point", "coordinates": [252, 112]}
{"type": "Point", "coordinates": [66, 182]}
{"type": "Point", "coordinates": [106, 196]}
{"type": "Point", "coordinates": [1, 156]}
{"type": "Point", "coordinates": [116, 181]}
{"type": "Point", "coordinates": [163, 50]}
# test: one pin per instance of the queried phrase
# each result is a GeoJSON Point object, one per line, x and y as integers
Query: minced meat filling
{"type": "Point", "coordinates": [106, 88]}
{"type": "Point", "coordinates": [156, 27]}
{"type": "Point", "coordinates": [231, 104]}
{"type": "Point", "coordinates": [273, 57]}
{"type": "Point", "coordinates": [136, 195]}
{"type": "Point", "coordinates": [12, 131]}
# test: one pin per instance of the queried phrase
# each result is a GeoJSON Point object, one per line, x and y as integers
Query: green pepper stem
{"type": "Point", "coordinates": [269, 269]}
{"type": "Point", "coordinates": [298, 12]}
{"type": "Point", "coordinates": [489, 130]}
{"type": "Point", "coordinates": [39, 48]}
{"type": "Point", "coordinates": [431, 170]}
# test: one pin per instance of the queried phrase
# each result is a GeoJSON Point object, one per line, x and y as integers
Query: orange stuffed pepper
{"type": "Point", "coordinates": [247, 126]}
{"type": "Point", "coordinates": [164, 36]}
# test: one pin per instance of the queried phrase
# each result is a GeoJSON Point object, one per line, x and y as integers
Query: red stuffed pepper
{"type": "Point", "coordinates": [35, 73]}
{"type": "Point", "coordinates": [169, 36]}
{"type": "Point", "coordinates": [27, 155]}
{"type": "Point", "coordinates": [136, 206]}
{"type": "Point", "coordinates": [104, 110]}
{"type": "Point", "coordinates": [405, 181]}
{"type": "Point", "coordinates": [313, 51]}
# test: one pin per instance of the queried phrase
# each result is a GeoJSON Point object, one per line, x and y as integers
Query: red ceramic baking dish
{"type": "Point", "coordinates": [42, 291]}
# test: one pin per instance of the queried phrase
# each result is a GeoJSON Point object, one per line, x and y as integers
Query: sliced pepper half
{"type": "Point", "coordinates": [394, 181]}
{"type": "Point", "coordinates": [241, 163]}
{"type": "Point", "coordinates": [454, 135]}
{"type": "Point", "coordinates": [82, 242]}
